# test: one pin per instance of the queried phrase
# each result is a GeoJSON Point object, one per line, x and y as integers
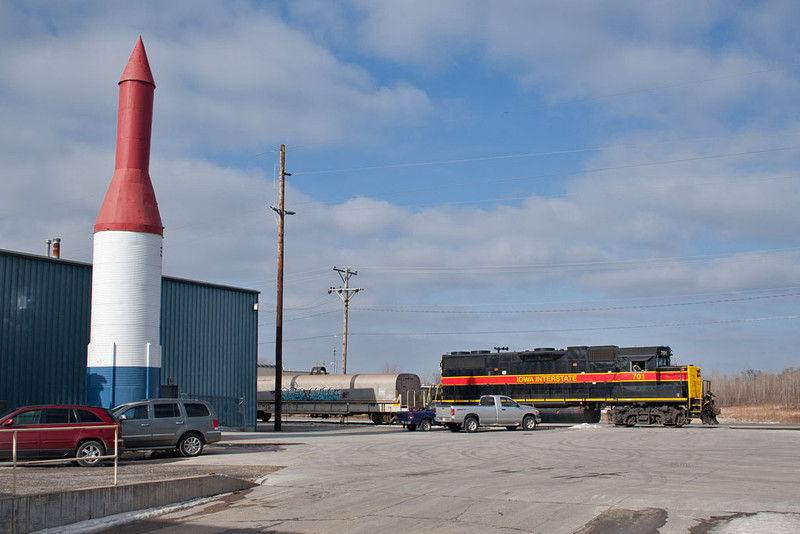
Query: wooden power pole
{"type": "Point", "coordinates": [279, 305]}
{"type": "Point", "coordinates": [345, 293]}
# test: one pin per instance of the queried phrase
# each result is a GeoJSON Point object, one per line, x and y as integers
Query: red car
{"type": "Point", "coordinates": [60, 431]}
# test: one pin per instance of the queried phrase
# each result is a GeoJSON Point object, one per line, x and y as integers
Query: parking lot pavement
{"type": "Point", "coordinates": [227, 458]}
{"type": "Point", "coordinates": [133, 468]}
{"type": "Point", "coordinates": [589, 479]}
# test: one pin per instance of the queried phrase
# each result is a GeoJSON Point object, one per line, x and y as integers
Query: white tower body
{"type": "Point", "coordinates": [124, 349]}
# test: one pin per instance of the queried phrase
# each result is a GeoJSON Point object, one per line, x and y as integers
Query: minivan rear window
{"type": "Point", "coordinates": [166, 410]}
{"type": "Point", "coordinates": [196, 410]}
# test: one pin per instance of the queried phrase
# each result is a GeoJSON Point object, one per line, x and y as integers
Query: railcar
{"type": "Point", "coordinates": [638, 385]}
{"type": "Point", "coordinates": [378, 396]}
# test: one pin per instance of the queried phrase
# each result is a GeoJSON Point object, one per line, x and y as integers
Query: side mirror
{"type": "Point", "coordinates": [122, 417]}
{"type": "Point", "coordinates": [7, 422]}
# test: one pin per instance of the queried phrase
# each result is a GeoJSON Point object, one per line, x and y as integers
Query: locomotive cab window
{"type": "Point", "coordinates": [638, 365]}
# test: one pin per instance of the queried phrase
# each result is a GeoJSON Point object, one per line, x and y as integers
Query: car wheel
{"type": "Point", "coordinates": [190, 445]}
{"type": "Point", "coordinates": [425, 425]}
{"type": "Point", "coordinates": [471, 424]}
{"type": "Point", "coordinates": [89, 452]}
{"type": "Point", "coordinates": [529, 423]}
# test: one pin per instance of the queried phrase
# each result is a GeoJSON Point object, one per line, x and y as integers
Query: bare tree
{"type": "Point", "coordinates": [754, 388]}
{"type": "Point", "coordinates": [391, 369]}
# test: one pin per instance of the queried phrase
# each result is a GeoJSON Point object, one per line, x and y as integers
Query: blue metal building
{"type": "Point", "coordinates": [209, 338]}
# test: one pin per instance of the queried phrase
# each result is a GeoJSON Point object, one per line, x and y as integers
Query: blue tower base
{"type": "Point", "coordinates": [112, 386]}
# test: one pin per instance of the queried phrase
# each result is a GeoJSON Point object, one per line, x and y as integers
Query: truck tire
{"type": "Point", "coordinates": [411, 428]}
{"type": "Point", "coordinates": [425, 425]}
{"type": "Point", "coordinates": [454, 427]}
{"type": "Point", "coordinates": [511, 427]}
{"type": "Point", "coordinates": [529, 422]}
{"type": "Point", "coordinates": [471, 424]}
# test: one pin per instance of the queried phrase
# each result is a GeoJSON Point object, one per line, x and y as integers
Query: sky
{"type": "Point", "coordinates": [498, 174]}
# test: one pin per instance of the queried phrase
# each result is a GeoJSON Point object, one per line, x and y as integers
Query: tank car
{"type": "Point", "coordinates": [379, 396]}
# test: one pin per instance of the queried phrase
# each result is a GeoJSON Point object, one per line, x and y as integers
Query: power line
{"type": "Point", "coordinates": [589, 328]}
{"type": "Point", "coordinates": [573, 310]}
{"type": "Point", "coordinates": [524, 155]}
{"type": "Point", "coordinates": [583, 266]}
{"type": "Point", "coordinates": [558, 330]}
{"type": "Point", "coordinates": [565, 174]}
{"type": "Point", "coordinates": [432, 308]}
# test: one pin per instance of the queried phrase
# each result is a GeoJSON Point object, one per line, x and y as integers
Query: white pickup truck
{"type": "Point", "coordinates": [491, 410]}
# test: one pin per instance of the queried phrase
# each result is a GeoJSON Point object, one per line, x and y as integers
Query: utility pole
{"type": "Point", "coordinates": [345, 294]}
{"type": "Point", "coordinates": [279, 306]}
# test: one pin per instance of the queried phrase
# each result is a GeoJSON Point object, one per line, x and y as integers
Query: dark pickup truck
{"type": "Point", "coordinates": [418, 419]}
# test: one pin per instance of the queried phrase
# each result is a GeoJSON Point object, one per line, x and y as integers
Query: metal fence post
{"type": "Point", "coordinates": [116, 451]}
{"type": "Point", "coordinates": [14, 464]}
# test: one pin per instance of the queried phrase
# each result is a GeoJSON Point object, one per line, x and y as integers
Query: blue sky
{"type": "Point", "coordinates": [498, 173]}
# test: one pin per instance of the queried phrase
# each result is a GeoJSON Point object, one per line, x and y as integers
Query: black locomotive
{"type": "Point", "coordinates": [638, 385]}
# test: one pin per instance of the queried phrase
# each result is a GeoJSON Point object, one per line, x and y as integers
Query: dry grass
{"type": "Point", "coordinates": [759, 414]}
{"type": "Point", "coordinates": [754, 388]}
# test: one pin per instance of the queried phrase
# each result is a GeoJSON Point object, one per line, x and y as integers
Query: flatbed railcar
{"type": "Point", "coordinates": [378, 396]}
{"type": "Point", "coordinates": [638, 385]}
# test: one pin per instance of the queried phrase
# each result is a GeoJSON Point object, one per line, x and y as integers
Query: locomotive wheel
{"type": "Point", "coordinates": [471, 424]}
{"type": "Point", "coordinates": [425, 425]}
{"type": "Point", "coordinates": [630, 420]}
{"type": "Point", "coordinates": [680, 419]}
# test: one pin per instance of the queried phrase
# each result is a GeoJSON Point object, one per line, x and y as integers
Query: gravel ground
{"type": "Point", "coordinates": [134, 467]}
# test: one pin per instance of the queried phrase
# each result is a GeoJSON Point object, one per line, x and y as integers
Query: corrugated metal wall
{"type": "Point", "coordinates": [44, 330]}
{"type": "Point", "coordinates": [209, 337]}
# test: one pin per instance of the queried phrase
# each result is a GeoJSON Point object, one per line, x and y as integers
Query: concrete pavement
{"type": "Point", "coordinates": [589, 479]}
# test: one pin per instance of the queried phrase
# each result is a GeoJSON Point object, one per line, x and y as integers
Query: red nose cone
{"type": "Point", "coordinates": [130, 203]}
{"type": "Point", "coordinates": [138, 68]}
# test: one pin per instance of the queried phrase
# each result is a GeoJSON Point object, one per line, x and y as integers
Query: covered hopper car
{"type": "Point", "coordinates": [378, 396]}
{"type": "Point", "coordinates": [639, 385]}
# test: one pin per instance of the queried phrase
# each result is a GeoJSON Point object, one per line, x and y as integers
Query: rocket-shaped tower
{"type": "Point", "coordinates": [124, 356]}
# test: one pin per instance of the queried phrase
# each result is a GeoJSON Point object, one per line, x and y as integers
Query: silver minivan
{"type": "Point", "coordinates": [184, 425]}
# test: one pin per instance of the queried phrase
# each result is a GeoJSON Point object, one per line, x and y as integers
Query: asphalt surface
{"type": "Point", "coordinates": [588, 479]}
